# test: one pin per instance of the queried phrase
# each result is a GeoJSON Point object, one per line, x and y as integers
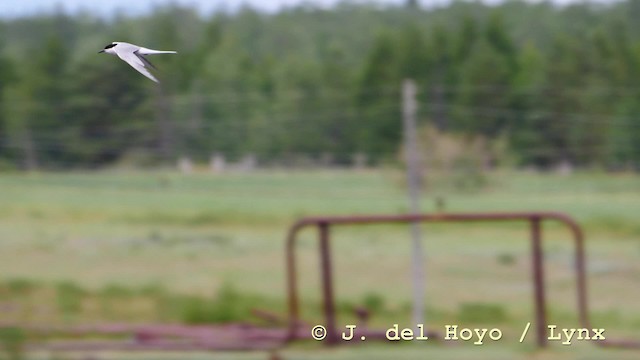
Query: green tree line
{"type": "Point", "coordinates": [553, 84]}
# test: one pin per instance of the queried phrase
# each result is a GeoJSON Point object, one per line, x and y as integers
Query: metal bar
{"type": "Point", "coordinates": [581, 278]}
{"type": "Point", "coordinates": [436, 217]}
{"type": "Point", "coordinates": [538, 282]}
{"type": "Point", "coordinates": [160, 345]}
{"type": "Point", "coordinates": [292, 286]}
{"type": "Point", "coordinates": [327, 284]}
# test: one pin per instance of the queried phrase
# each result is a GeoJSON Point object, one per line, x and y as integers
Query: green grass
{"type": "Point", "coordinates": [136, 246]}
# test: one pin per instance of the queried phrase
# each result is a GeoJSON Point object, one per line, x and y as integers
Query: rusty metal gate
{"type": "Point", "coordinates": [324, 224]}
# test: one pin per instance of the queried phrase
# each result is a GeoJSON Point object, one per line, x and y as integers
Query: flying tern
{"type": "Point", "coordinates": [134, 56]}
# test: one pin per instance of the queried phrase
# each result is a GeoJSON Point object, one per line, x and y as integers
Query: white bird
{"type": "Point", "coordinates": [134, 56]}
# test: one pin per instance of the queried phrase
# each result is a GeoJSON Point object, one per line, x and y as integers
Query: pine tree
{"type": "Point", "coordinates": [379, 130]}
{"type": "Point", "coordinates": [7, 77]}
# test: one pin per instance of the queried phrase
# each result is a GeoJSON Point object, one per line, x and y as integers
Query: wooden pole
{"type": "Point", "coordinates": [412, 158]}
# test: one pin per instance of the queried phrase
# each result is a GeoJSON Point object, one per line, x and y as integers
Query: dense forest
{"type": "Point", "coordinates": [536, 83]}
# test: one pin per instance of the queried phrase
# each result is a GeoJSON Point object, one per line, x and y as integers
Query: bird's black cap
{"type": "Point", "coordinates": [107, 47]}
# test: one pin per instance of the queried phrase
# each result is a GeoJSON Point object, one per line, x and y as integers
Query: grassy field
{"type": "Point", "coordinates": [145, 246]}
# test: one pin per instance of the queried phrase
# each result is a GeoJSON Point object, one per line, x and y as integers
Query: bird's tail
{"type": "Point", "coordinates": [145, 51]}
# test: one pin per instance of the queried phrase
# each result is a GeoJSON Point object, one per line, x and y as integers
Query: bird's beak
{"type": "Point", "coordinates": [101, 51]}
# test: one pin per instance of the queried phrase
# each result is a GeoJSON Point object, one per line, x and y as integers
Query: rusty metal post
{"type": "Point", "coordinates": [581, 274]}
{"type": "Point", "coordinates": [292, 285]}
{"type": "Point", "coordinates": [327, 284]}
{"type": "Point", "coordinates": [538, 281]}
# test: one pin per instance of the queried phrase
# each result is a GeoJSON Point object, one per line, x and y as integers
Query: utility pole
{"type": "Point", "coordinates": [412, 158]}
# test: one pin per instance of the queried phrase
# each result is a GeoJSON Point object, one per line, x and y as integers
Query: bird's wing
{"type": "Point", "coordinates": [144, 60]}
{"type": "Point", "coordinates": [137, 62]}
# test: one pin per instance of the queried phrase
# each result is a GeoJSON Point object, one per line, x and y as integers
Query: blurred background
{"type": "Point", "coordinates": [126, 201]}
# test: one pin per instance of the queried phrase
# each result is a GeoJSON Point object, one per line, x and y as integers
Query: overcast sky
{"type": "Point", "coordinates": [13, 8]}
{"type": "Point", "coordinates": [16, 8]}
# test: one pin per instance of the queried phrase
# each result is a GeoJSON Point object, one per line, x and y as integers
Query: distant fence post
{"type": "Point", "coordinates": [412, 158]}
